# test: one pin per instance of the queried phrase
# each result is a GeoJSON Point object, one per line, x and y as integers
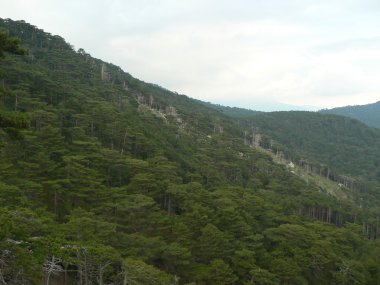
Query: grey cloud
{"type": "Point", "coordinates": [298, 51]}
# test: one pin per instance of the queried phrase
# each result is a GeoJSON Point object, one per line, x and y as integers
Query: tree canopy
{"type": "Point", "coordinates": [106, 179]}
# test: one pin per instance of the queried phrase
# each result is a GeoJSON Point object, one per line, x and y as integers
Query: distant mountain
{"type": "Point", "coordinates": [260, 108]}
{"type": "Point", "coordinates": [263, 106]}
{"type": "Point", "coordinates": [234, 112]}
{"type": "Point", "coordinates": [368, 114]}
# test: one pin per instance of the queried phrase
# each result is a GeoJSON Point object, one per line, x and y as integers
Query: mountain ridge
{"type": "Point", "coordinates": [368, 113]}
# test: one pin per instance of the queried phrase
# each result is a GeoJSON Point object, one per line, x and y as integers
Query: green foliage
{"type": "Point", "coordinates": [11, 45]}
{"type": "Point", "coordinates": [137, 272]}
{"type": "Point", "coordinates": [341, 149]}
{"type": "Point", "coordinates": [368, 114]}
{"type": "Point", "coordinates": [105, 179]}
{"type": "Point", "coordinates": [234, 112]}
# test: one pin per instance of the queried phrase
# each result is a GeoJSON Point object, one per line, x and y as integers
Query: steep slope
{"type": "Point", "coordinates": [333, 146]}
{"type": "Point", "coordinates": [368, 114]}
{"type": "Point", "coordinates": [108, 179]}
{"type": "Point", "coordinates": [340, 148]}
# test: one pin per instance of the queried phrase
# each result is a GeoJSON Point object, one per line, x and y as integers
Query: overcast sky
{"type": "Point", "coordinates": [258, 54]}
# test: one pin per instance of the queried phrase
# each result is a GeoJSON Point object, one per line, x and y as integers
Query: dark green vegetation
{"type": "Point", "coordinates": [9, 44]}
{"type": "Point", "coordinates": [107, 179]}
{"type": "Point", "coordinates": [368, 114]}
{"type": "Point", "coordinates": [329, 142]}
{"type": "Point", "coordinates": [234, 112]}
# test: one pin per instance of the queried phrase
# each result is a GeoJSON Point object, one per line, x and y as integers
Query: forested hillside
{"type": "Point", "coordinates": [339, 148]}
{"type": "Point", "coordinates": [233, 112]}
{"type": "Point", "coordinates": [342, 143]}
{"type": "Point", "coordinates": [368, 114]}
{"type": "Point", "coordinates": [105, 179]}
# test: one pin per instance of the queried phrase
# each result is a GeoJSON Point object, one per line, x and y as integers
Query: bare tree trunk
{"type": "Point", "coordinates": [169, 205]}
{"type": "Point", "coordinates": [124, 141]}
{"type": "Point", "coordinates": [2, 281]}
{"type": "Point", "coordinates": [48, 279]}
{"type": "Point", "coordinates": [55, 201]}
{"type": "Point", "coordinates": [16, 101]}
{"type": "Point", "coordinates": [92, 128]}
{"type": "Point", "coordinates": [100, 275]}
{"type": "Point", "coordinates": [65, 277]}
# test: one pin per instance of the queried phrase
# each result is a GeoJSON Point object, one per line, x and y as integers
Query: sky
{"type": "Point", "coordinates": [259, 54]}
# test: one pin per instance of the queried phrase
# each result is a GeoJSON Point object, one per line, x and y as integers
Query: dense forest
{"type": "Point", "coordinates": [340, 143]}
{"type": "Point", "coordinates": [368, 114]}
{"type": "Point", "coordinates": [106, 179]}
